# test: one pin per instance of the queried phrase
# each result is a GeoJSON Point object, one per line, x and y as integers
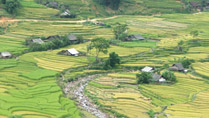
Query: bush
{"type": "Point", "coordinates": [12, 6]}
{"type": "Point", "coordinates": [151, 113]}
{"type": "Point", "coordinates": [112, 61]}
{"type": "Point", "coordinates": [168, 75]}
{"type": "Point", "coordinates": [144, 78]}
{"type": "Point", "coordinates": [187, 62]}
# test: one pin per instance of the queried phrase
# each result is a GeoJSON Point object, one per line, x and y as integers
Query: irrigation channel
{"type": "Point", "coordinates": [75, 89]}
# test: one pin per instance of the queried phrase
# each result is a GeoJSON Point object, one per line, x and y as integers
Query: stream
{"type": "Point", "coordinates": [75, 90]}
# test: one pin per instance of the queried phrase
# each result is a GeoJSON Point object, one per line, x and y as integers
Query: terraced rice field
{"type": "Point", "coordinates": [202, 68]}
{"type": "Point", "coordinates": [198, 108]}
{"type": "Point", "coordinates": [178, 93]}
{"type": "Point", "coordinates": [32, 92]}
{"type": "Point", "coordinates": [125, 99]}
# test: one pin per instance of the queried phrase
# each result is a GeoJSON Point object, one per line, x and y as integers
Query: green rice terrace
{"type": "Point", "coordinates": [104, 59]}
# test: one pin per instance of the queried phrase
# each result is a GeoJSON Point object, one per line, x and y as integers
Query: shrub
{"type": "Point", "coordinates": [12, 6]}
{"type": "Point", "coordinates": [151, 113]}
{"type": "Point", "coordinates": [144, 78]}
{"type": "Point", "coordinates": [168, 75]}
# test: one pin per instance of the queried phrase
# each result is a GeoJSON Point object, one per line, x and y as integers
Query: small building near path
{"type": "Point", "coordinates": [157, 78]}
{"type": "Point", "coordinates": [70, 52]}
{"type": "Point", "coordinates": [5, 55]}
{"type": "Point", "coordinates": [72, 37]}
{"type": "Point", "coordinates": [177, 67]}
{"type": "Point", "coordinates": [147, 69]}
{"type": "Point", "coordinates": [100, 23]}
{"type": "Point", "coordinates": [53, 37]}
{"type": "Point", "coordinates": [39, 41]}
{"type": "Point", "coordinates": [136, 36]}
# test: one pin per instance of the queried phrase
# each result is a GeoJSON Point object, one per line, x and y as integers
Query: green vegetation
{"type": "Point", "coordinates": [112, 61]}
{"type": "Point", "coordinates": [100, 44]}
{"type": "Point", "coordinates": [168, 75]}
{"type": "Point", "coordinates": [144, 78]}
{"type": "Point", "coordinates": [146, 43]}
{"type": "Point", "coordinates": [120, 31]}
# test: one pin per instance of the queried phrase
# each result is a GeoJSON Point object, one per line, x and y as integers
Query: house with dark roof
{"type": "Point", "coordinates": [177, 67]}
{"type": "Point", "coordinates": [72, 37]}
{"type": "Point", "coordinates": [157, 78]}
{"type": "Point", "coordinates": [52, 4]}
{"type": "Point", "coordinates": [5, 55]}
{"type": "Point", "coordinates": [136, 36]}
{"type": "Point", "coordinates": [100, 23]}
{"type": "Point", "coordinates": [194, 5]}
{"type": "Point", "coordinates": [39, 41]}
{"type": "Point", "coordinates": [53, 37]}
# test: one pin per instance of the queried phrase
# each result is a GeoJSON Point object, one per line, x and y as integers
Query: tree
{"type": "Point", "coordinates": [100, 44]}
{"type": "Point", "coordinates": [112, 61]}
{"type": "Point", "coordinates": [168, 75]}
{"type": "Point", "coordinates": [120, 31]}
{"type": "Point", "coordinates": [194, 33]}
{"type": "Point", "coordinates": [144, 78]}
{"type": "Point", "coordinates": [12, 6]}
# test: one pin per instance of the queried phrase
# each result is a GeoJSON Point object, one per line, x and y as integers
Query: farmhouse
{"type": "Point", "coordinates": [52, 4]}
{"type": "Point", "coordinates": [195, 5]}
{"type": "Point", "coordinates": [70, 52]}
{"type": "Point", "coordinates": [157, 78]}
{"type": "Point", "coordinates": [65, 14]}
{"type": "Point", "coordinates": [5, 55]}
{"type": "Point", "coordinates": [177, 67]}
{"type": "Point", "coordinates": [72, 37]}
{"type": "Point", "coordinates": [39, 40]}
{"type": "Point", "coordinates": [137, 36]}
{"type": "Point", "coordinates": [147, 69]}
{"type": "Point", "coordinates": [100, 23]}
{"type": "Point", "coordinates": [53, 37]}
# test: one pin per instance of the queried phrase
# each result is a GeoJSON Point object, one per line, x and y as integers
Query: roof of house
{"type": "Point", "coordinates": [147, 69]}
{"type": "Point", "coordinates": [156, 77]}
{"type": "Point", "coordinates": [39, 40]}
{"type": "Point", "coordinates": [138, 36]}
{"type": "Point", "coordinates": [179, 66]}
{"type": "Point", "coordinates": [194, 4]}
{"type": "Point", "coordinates": [100, 23]}
{"type": "Point", "coordinates": [6, 54]}
{"type": "Point", "coordinates": [53, 37]}
{"type": "Point", "coordinates": [65, 13]}
{"type": "Point", "coordinates": [72, 37]}
{"type": "Point", "coordinates": [73, 51]}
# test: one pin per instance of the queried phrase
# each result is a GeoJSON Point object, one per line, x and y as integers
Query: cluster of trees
{"type": "Point", "coordinates": [168, 75]}
{"type": "Point", "coordinates": [101, 45]}
{"type": "Point", "coordinates": [11, 6]}
{"type": "Point", "coordinates": [53, 44]}
{"type": "Point", "coordinates": [114, 4]}
{"type": "Point", "coordinates": [112, 61]}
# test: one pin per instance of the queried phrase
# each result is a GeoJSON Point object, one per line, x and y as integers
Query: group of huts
{"type": "Point", "coordinates": [158, 77]}
{"type": "Point", "coordinates": [71, 37]}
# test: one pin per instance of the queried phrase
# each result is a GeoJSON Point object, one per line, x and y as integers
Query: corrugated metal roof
{"type": "Point", "coordinates": [6, 54]}
{"type": "Point", "coordinates": [73, 51]}
{"type": "Point", "coordinates": [39, 40]}
{"type": "Point", "coordinates": [147, 69]}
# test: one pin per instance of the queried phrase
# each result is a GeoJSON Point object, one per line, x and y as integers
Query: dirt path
{"type": "Point", "coordinates": [58, 21]}
{"type": "Point", "coordinates": [75, 90]}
